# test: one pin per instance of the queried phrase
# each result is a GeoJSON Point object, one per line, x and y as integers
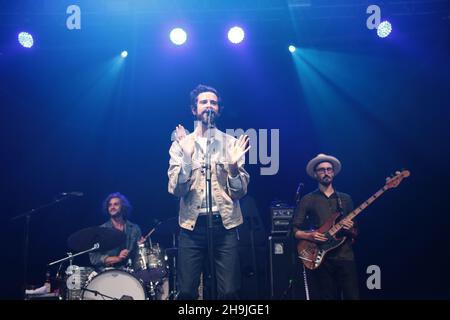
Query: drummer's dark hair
{"type": "Point", "coordinates": [126, 206]}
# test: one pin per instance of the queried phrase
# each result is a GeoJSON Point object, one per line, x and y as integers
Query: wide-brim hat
{"type": "Point", "coordinates": [323, 158]}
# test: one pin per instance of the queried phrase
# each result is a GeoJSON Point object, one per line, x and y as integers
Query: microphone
{"type": "Point", "coordinates": [211, 113]}
{"type": "Point", "coordinates": [297, 193]}
{"type": "Point", "coordinates": [210, 116]}
{"type": "Point", "coordinates": [73, 193]}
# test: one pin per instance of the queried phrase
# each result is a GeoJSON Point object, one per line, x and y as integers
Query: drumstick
{"type": "Point", "coordinates": [151, 231]}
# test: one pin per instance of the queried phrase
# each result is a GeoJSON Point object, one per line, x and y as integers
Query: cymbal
{"type": "Point", "coordinates": [84, 239]}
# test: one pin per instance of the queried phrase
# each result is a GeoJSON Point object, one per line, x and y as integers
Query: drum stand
{"type": "Point", "coordinates": [153, 290]}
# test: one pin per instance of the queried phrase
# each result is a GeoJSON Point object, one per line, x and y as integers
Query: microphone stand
{"type": "Point", "coordinates": [95, 292]}
{"type": "Point", "coordinates": [26, 237]}
{"type": "Point", "coordinates": [294, 258]}
{"type": "Point", "coordinates": [209, 231]}
{"type": "Point", "coordinates": [173, 292]}
{"type": "Point", "coordinates": [297, 194]}
{"type": "Point", "coordinates": [70, 256]}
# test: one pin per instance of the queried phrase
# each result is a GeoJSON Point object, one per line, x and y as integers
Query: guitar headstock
{"type": "Point", "coordinates": [394, 181]}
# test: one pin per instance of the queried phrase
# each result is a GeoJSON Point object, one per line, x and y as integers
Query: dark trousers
{"type": "Point", "coordinates": [334, 280]}
{"type": "Point", "coordinates": [193, 257]}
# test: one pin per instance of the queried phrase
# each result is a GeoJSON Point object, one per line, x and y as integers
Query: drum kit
{"type": "Point", "coordinates": [150, 277]}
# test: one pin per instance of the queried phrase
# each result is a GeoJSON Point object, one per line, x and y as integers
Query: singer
{"type": "Point", "coordinates": [229, 182]}
{"type": "Point", "coordinates": [118, 208]}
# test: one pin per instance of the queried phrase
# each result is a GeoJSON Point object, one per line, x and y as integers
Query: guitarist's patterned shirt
{"type": "Point", "coordinates": [315, 208]}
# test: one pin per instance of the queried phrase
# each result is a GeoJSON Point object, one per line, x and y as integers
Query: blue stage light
{"type": "Point", "coordinates": [236, 35]}
{"type": "Point", "coordinates": [178, 36]}
{"type": "Point", "coordinates": [25, 39]}
{"type": "Point", "coordinates": [384, 29]}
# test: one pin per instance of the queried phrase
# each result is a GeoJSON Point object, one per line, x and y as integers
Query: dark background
{"type": "Point", "coordinates": [76, 117]}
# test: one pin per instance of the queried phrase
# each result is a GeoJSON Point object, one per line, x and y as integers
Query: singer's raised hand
{"type": "Point", "coordinates": [237, 150]}
{"type": "Point", "coordinates": [186, 143]}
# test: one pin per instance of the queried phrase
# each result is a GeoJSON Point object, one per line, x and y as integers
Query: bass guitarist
{"type": "Point", "coordinates": [336, 277]}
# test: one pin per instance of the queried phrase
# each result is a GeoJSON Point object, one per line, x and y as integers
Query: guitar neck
{"type": "Point", "coordinates": [338, 226]}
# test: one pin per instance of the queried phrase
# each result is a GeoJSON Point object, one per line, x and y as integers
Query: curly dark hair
{"type": "Point", "coordinates": [204, 88]}
{"type": "Point", "coordinates": [126, 206]}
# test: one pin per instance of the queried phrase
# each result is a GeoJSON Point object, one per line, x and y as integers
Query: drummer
{"type": "Point", "coordinates": [118, 208]}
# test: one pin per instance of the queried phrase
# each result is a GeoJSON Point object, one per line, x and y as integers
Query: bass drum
{"type": "Point", "coordinates": [114, 284]}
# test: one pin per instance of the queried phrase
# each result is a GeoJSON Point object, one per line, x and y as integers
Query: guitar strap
{"type": "Point", "coordinates": [340, 208]}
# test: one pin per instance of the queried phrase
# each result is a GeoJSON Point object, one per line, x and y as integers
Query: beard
{"type": "Point", "coordinates": [326, 181]}
{"type": "Point", "coordinates": [203, 118]}
{"type": "Point", "coordinates": [116, 214]}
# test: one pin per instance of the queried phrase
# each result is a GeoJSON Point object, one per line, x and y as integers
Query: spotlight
{"type": "Point", "coordinates": [178, 36]}
{"type": "Point", "coordinates": [384, 29]}
{"type": "Point", "coordinates": [25, 39]}
{"type": "Point", "coordinates": [124, 54]}
{"type": "Point", "coordinates": [292, 48]}
{"type": "Point", "coordinates": [236, 35]}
